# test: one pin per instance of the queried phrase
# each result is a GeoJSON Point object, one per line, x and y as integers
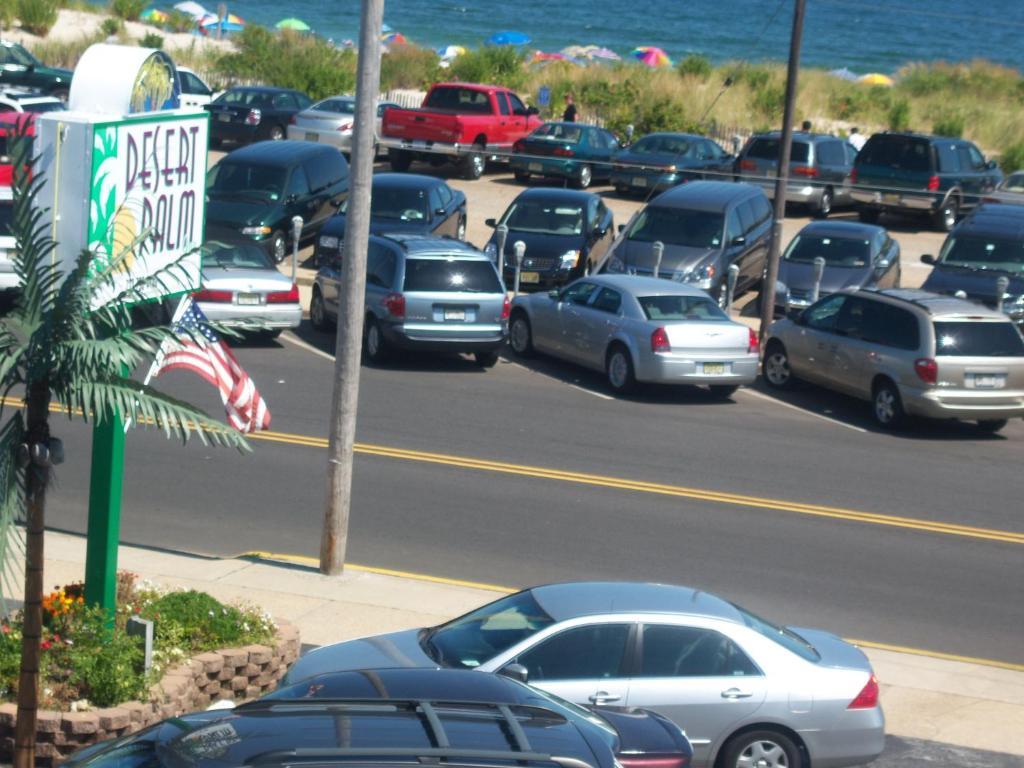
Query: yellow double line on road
{"type": "Point", "coordinates": [640, 486]}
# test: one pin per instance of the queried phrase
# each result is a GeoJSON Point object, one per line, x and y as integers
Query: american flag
{"type": "Point", "coordinates": [200, 350]}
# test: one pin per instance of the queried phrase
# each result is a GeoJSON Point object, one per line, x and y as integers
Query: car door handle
{"type": "Point", "coordinates": [603, 697]}
{"type": "Point", "coordinates": [735, 693]}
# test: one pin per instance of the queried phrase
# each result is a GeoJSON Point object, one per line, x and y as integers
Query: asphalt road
{"type": "Point", "coordinates": [904, 577]}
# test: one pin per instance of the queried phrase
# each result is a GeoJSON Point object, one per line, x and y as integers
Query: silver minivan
{"type": "Point", "coordinates": [909, 352]}
{"type": "Point", "coordinates": [422, 293]}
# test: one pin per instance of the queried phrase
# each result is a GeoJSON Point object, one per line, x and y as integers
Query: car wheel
{"type": "Point", "coordinates": [278, 247]}
{"type": "Point", "coordinates": [945, 217]}
{"type": "Point", "coordinates": [520, 335]}
{"type": "Point", "coordinates": [887, 406]}
{"type": "Point", "coordinates": [824, 205]}
{"type": "Point", "coordinates": [400, 160]}
{"type": "Point", "coordinates": [460, 231]}
{"type": "Point", "coordinates": [619, 368]}
{"type": "Point", "coordinates": [723, 391]}
{"type": "Point", "coordinates": [474, 163]}
{"type": "Point", "coordinates": [992, 425]}
{"type": "Point", "coordinates": [869, 215]}
{"type": "Point", "coordinates": [521, 177]}
{"type": "Point", "coordinates": [762, 749]}
{"type": "Point", "coordinates": [775, 369]}
{"type": "Point", "coordinates": [276, 133]}
{"type": "Point", "coordinates": [375, 345]}
{"type": "Point", "coordinates": [486, 359]}
{"type": "Point", "coordinates": [586, 176]}
{"type": "Point", "coordinates": [318, 312]}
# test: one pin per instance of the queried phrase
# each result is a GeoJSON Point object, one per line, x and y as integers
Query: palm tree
{"type": "Point", "coordinates": [63, 343]}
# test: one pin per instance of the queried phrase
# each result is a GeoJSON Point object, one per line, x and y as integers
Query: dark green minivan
{"type": "Point", "coordinates": [256, 190]}
{"type": "Point", "coordinates": [20, 69]}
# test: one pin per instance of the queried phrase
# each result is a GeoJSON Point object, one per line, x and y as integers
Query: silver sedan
{"type": "Point", "coordinates": [1010, 190]}
{"type": "Point", "coordinates": [637, 329]}
{"type": "Point", "coordinates": [331, 121]}
{"type": "Point", "coordinates": [748, 693]}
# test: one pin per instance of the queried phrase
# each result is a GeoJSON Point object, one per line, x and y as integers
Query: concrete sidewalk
{"type": "Point", "coordinates": [965, 704]}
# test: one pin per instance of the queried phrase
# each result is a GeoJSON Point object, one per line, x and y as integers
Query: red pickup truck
{"type": "Point", "coordinates": [460, 123]}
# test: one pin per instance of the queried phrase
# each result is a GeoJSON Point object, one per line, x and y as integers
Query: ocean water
{"type": "Point", "coordinates": [872, 36]}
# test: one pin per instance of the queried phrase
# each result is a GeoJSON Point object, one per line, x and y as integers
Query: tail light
{"type": "Point", "coordinates": [748, 165]}
{"type": "Point", "coordinates": [284, 297]}
{"type": "Point", "coordinates": [753, 345]}
{"type": "Point", "coordinates": [659, 341]}
{"type": "Point", "coordinates": [293, 120]}
{"type": "Point", "coordinates": [518, 146]}
{"type": "Point", "coordinates": [564, 152]}
{"type": "Point", "coordinates": [650, 761]}
{"type": "Point", "coordinates": [933, 183]}
{"type": "Point", "coordinates": [254, 117]}
{"type": "Point", "coordinates": [394, 303]}
{"type": "Point", "coordinates": [990, 199]}
{"type": "Point", "coordinates": [927, 370]}
{"type": "Point", "coordinates": [868, 696]}
{"type": "Point", "coordinates": [506, 309]}
{"type": "Point", "coordinates": [213, 297]}
{"type": "Point", "coordinates": [853, 176]}
{"type": "Point", "coordinates": [805, 170]}
{"type": "Point", "coordinates": [344, 126]}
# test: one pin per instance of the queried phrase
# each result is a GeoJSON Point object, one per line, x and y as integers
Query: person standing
{"type": "Point", "coordinates": [569, 116]}
{"type": "Point", "coordinates": [856, 139]}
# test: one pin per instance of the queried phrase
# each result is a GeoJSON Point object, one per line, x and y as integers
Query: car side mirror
{"type": "Point", "coordinates": [991, 165]}
{"type": "Point", "coordinates": [531, 111]}
{"type": "Point", "coordinates": [621, 228]}
{"type": "Point", "coordinates": [516, 672]}
{"type": "Point", "coordinates": [927, 258]}
{"type": "Point", "coordinates": [553, 294]}
{"type": "Point", "coordinates": [883, 264]}
{"type": "Point", "coordinates": [439, 211]}
{"type": "Point", "coordinates": [800, 318]}
{"type": "Point", "coordinates": [491, 223]}
{"type": "Point", "coordinates": [739, 240]}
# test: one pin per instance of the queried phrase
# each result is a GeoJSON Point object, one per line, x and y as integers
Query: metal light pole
{"type": "Point", "coordinates": [348, 345]}
{"type": "Point", "coordinates": [768, 285]}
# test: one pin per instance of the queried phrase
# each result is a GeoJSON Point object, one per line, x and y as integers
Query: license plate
{"type": "Point", "coordinates": [455, 314]}
{"type": "Point", "coordinates": [224, 117]}
{"type": "Point", "coordinates": [536, 167]}
{"type": "Point", "coordinates": [311, 136]}
{"type": "Point", "coordinates": [248, 299]}
{"type": "Point", "coordinates": [639, 181]}
{"type": "Point", "coordinates": [890, 198]}
{"type": "Point", "coordinates": [713, 369]}
{"type": "Point", "coordinates": [987, 381]}
{"type": "Point", "coordinates": [529, 277]}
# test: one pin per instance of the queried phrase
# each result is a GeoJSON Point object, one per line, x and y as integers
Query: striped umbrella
{"type": "Point", "coordinates": [652, 56]}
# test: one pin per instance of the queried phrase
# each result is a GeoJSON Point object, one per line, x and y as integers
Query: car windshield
{"type": "Point", "coordinates": [472, 639]}
{"type": "Point", "coordinates": [678, 226]}
{"type": "Point", "coordinates": [237, 255]}
{"type": "Point", "coordinates": [451, 276]}
{"type": "Point", "coordinates": [768, 149]}
{"type": "Point", "coordinates": [836, 251]}
{"type": "Point", "coordinates": [785, 637]}
{"type": "Point", "coordinates": [983, 253]}
{"type": "Point", "coordinates": [44, 106]}
{"type": "Point", "coordinates": [544, 218]}
{"type": "Point", "coordinates": [1014, 182]}
{"type": "Point", "coordinates": [570, 134]}
{"type": "Point", "coordinates": [339, 106]}
{"type": "Point", "coordinates": [663, 145]}
{"type": "Point", "coordinates": [244, 98]}
{"type": "Point", "coordinates": [259, 182]}
{"type": "Point", "coordinates": [974, 339]}
{"type": "Point", "coordinates": [690, 308]}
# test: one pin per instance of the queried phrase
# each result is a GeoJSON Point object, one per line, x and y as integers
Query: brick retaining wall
{"type": "Point", "coordinates": [236, 674]}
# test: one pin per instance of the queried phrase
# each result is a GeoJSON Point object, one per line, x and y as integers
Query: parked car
{"type": "Point", "coordinates": [705, 226]}
{"type": "Point", "coordinates": [403, 716]}
{"type": "Point", "coordinates": [194, 90]}
{"type": "Point", "coordinates": [981, 249]}
{"type": "Point", "coordinates": [462, 123]}
{"type": "Point", "coordinates": [331, 121]}
{"type": "Point", "coordinates": [8, 280]}
{"type": "Point", "coordinates": [1009, 190]}
{"type": "Point", "coordinates": [21, 69]}
{"type": "Point", "coordinates": [738, 685]}
{"type": "Point", "coordinates": [820, 169]}
{"type": "Point", "coordinates": [11, 124]}
{"type": "Point", "coordinates": [566, 233]}
{"type": "Point", "coordinates": [422, 293]}
{"type": "Point", "coordinates": [243, 289]}
{"type": "Point", "coordinates": [908, 352]}
{"type": "Point", "coordinates": [405, 203]}
{"type": "Point", "coordinates": [856, 256]}
{"type": "Point", "coordinates": [12, 100]}
{"type": "Point", "coordinates": [252, 113]}
{"type": "Point", "coordinates": [638, 329]}
{"type": "Point", "coordinates": [576, 152]}
{"type": "Point", "coordinates": [914, 173]}
{"type": "Point", "coordinates": [659, 161]}
{"type": "Point", "coordinates": [256, 190]}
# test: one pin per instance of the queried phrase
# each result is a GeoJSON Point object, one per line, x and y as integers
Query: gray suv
{"type": "Point", "coordinates": [425, 293]}
{"type": "Point", "coordinates": [820, 167]}
{"type": "Point", "coordinates": [909, 352]}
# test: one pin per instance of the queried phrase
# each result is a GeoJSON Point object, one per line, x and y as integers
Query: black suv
{"type": "Point", "coordinates": [987, 245]}
{"type": "Point", "coordinates": [253, 113]}
{"type": "Point", "coordinates": [914, 173]}
{"type": "Point", "coordinates": [256, 190]}
{"type": "Point", "coordinates": [408, 717]}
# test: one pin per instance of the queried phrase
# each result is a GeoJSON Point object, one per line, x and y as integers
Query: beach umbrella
{"type": "Point", "coordinates": [154, 15]}
{"type": "Point", "coordinates": [449, 52]}
{"type": "Point", "coordinates": [876, 78]}
{"type": "Point", "coordinates": [652, 56]}
{"type": "Point", "coordinates": [540, 57]}
{"type": "Point", "coordinates": [193, 9]}
{"type": "Point", "coordinates": [395, 38]}
{"type": "Point", "coordinates": [385, 28]}
{"type": "Point", "coordinates": [508, 37]}
{"type": "Point", "coordinates": [845, 74]}
{"type": "Point", "coordinates": [231, 24]}
{"type": "Point", "coordinates": [295, 25]}
{"type": "Point", "coordinates": [604, 53]}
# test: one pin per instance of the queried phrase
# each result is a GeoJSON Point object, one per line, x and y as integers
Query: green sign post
{"type": "Point", "coordinates": [105, 484]}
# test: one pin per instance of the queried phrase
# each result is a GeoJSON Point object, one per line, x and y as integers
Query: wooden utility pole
{"type": "Point", "coordinates": [775, 249]}
{"type": "Point", "coordinates": [348, 345]}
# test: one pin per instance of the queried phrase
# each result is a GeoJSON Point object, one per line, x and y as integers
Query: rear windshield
{"type": "Point", "coordinates": [663, 145]}
{"type": "Point", "coordinates": [340, 106]}
{"type": "Point", "coordinates": [897, 152]}
{"type": "Point", "coordinates": [544, 218]}
{"type": "Point", "coordinates": [974, 339]}
{"type": "Point", "coordinates": [234, 255]}
{"type": "Point", "coordinates": [433, 275]}
{"type": "Point", "coordinates": [690, 308]}
{"type": "Point", "coordinates": [837, 251]}
{"type": "Point", "coordinates": [784, 637]}
{"type": "Point", "coordinates": [245, 98]}
{"type": "Point", "coordinates": [241, 180]}
{"type": "Point", "coordinates": [983, 253]}
{"type": "Point", "coordinates": [570, 134]}
{"type": "Point", "coordinates": [459, 100]}
{"type": "Point", "coordinates": [678, 226]}
{"type": "Point", "coordinates": [397, 204]}
{"type": "Point", "coordinates": [768, 149]}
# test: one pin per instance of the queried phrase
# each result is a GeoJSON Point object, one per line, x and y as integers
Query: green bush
{"type": "Point", "coordinates": [1012, 158]}
{"type": "Point", "coordinates": [129, 10]}
{"type": "Point", "coordinates": [151, 40]}
{"type": "Point", "coordinates": [492, 65]}
{"type": "Point", "coordinates": [111, 26]}
{"type": "Point", "coordinates": [951, 124]}
{"type": "Point", "coordinates": [7, 8]}
{"type": "Point", "coordinates": [37, 16]}
{"type": "Point", "coordinates": [757, 76]}
{"type": "Point", "coordinates": [409, 66]}
{"type": "Point", "coordinates": [695, 65]}
{"type": "Point", "coordinates": [899, 115]}
{"type": "Point", "coordinates": [105, 666]}
{"type": "Point", "coordinates": [770, 101]}
{"type": "Point", "coordinates": [194, 621]}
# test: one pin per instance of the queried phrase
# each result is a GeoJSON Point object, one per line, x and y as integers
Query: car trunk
{"type": "Point", "coordinates": [449, 295]}
{"type": "Point", "coordinates": [323, 121]}
{"type": "Point", "coordinates": [833, 651]}
{"type": "Point", "coordinates": [987, 357]}
{"type": "Point", "coordinates": [423, 125]}
{"type": "Point", "coordinates": [249, 286]}
{"type": "Point", "coordinates": [895, 163]}
{"type": "Point", "coordinates": [762, 159]}
{"type": "Point", "coordinates": [725, 338]}
{"type": "Point", "coordinates": [545, 147]}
